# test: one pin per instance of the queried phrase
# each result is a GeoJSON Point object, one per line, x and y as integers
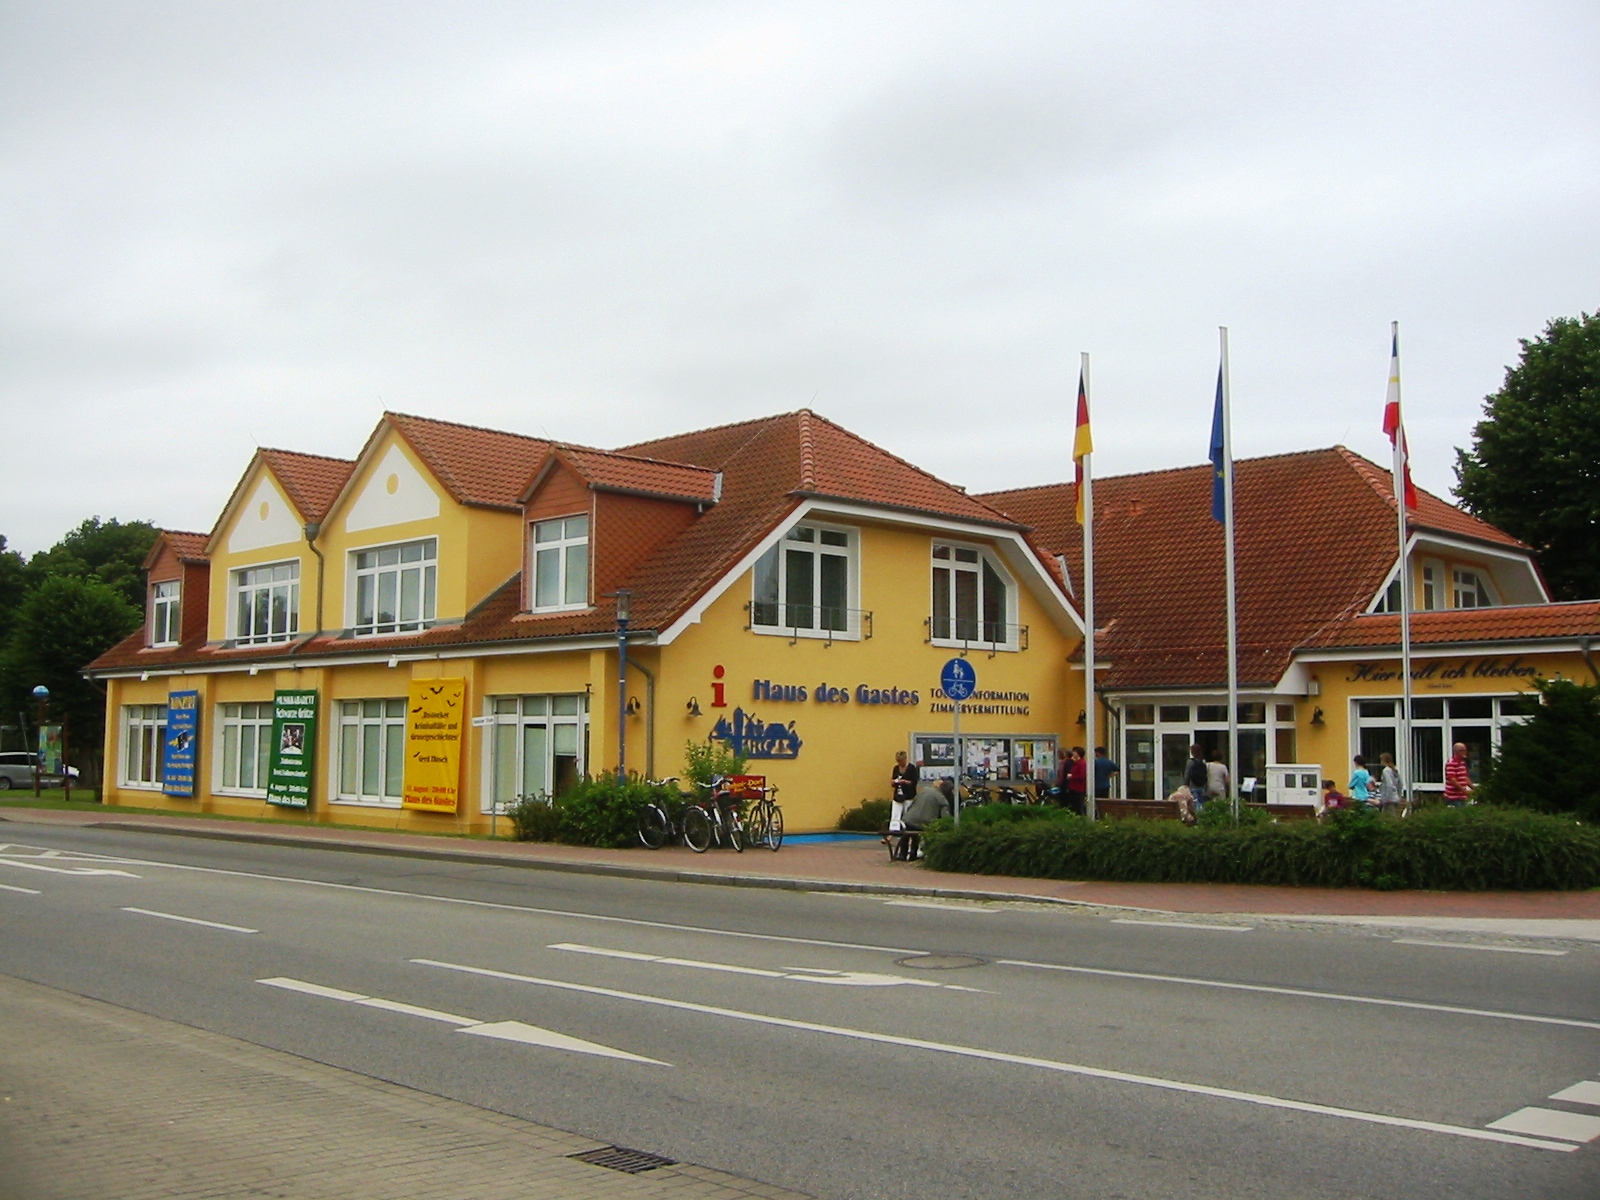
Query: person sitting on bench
{"type": "Point", "coordinates": [930, 804]}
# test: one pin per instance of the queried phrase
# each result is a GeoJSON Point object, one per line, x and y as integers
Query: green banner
{"type": "Point", "coordinates": [294, 748]}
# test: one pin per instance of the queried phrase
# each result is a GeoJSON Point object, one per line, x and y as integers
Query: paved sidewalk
{"type": "Point", "coordinates": [864, 867]}
{"type": "Point", "coordinates": [103, 1103]}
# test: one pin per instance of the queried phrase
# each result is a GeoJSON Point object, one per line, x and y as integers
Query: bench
{"type": "Point", "coordinates": [1149, 810]}
{"type": "Point", "coordinates": [903, 843]}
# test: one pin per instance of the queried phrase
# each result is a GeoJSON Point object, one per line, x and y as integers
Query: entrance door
{"type": "Point", "coordinates": [1213, 745]}
{"type": "Point", "coordinates": [1174, 757]}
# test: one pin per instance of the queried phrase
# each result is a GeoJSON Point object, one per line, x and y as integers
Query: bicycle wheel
{"type": "Point", "coordinates": [755, 826]}
{"type": "Point", "coordinates": [775, 827]}
{"type": "Point", "coordinates": [696, 828]}
{"type": "Point", "coordinates": [735, 831]}
{"type": "Point", "coordinates": [654, 827]}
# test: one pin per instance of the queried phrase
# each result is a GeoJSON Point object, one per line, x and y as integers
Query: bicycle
{"type": "Point", "coordinates": [720, 820]}
{"type": "Point", "coordinates": [656, 823]}
{"type": "Point", "coordinates": [764, 819]}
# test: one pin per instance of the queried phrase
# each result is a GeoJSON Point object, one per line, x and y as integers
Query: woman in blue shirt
{"type": "Point", "coordinates": [1361, 782]}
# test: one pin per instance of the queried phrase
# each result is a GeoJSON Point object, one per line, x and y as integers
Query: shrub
{"type": "Point", "coordinates": [1548, 763]}
{"type": "Point", "coordinates": [1475, 848]}
{"type": "Point", "coordinates": [603, 812]}
{"type": "Point", "coordinates": [704, 760]}
{"type": "Point", "coordinates": [867, 817]}
{"type": "Point", "coordinates": [534, 819]}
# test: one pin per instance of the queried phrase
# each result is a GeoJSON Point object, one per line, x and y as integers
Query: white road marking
{"type": "Point", "coordinates": [1305, 993]}
{"type": "Point", "coordinates": [943, 905]}
{"type": "Point", "coordinates": [1550, 1122]}
{"type": "Point", "coordinates": [506, 1031]}
{"type": "Point", "coordinates": [1183, 925]}
{"type": "Point", "coordinates": [6, 887]}
{"type": "Point", "coordinates": [13, 861]}
{"type": "Point", "coordinates": [1470, 946]}
{"type": "Point", "coordinates": [1195, 1089]}
{"type": "Point", "coordinates": [1587, 1092]}
{"type": "Point", "coordinates": [150, 912]}
{"type": "Point", "coordinates": [792, 974]}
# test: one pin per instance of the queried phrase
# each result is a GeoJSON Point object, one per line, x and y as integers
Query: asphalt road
{"type": "Point", "coordinates": [847, 1046]}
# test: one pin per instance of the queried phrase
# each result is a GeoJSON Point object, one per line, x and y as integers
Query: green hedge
{"type": "Point", "coordinates": [594, 812]}
{"type": "Point", "coordinates": [1476, 848]}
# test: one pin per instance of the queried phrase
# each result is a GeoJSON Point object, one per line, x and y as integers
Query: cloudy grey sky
{"type": "Point", "coordinates": [238, 224]}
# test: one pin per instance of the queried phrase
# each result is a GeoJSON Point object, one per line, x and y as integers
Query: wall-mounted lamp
{"type": "Point", "coordinates": [1316, 717]}
{"type": "Point", "coordinates": [633, 705]}
{"type": "Point", "coordinates": [1083, 717]}
{"type": "Point", "coordinates": [693, 707]}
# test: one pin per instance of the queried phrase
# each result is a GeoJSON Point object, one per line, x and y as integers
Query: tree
{"type": "Point", "coordinates": [1534, 466]}
{"type": "Point", "coordinates": [1548, 762]}
{"type": "Point", "coordinates": [109, 551]}
{"type": "Point", "coordinates": [13, 586]}
{"type": "Point", "coordinates": [65, 623]}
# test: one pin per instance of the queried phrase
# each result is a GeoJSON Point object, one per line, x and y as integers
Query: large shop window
{"type": "Point", "coordinates": [266, 603]}
{"type": "Point", "coordinates": [164, 611]}
{"type": "Point", "coordinates": [246, 731]}
{"type": "Point", "coordinates": [1437, 724]}
{"type": "Point", "coordinates": [971, 598]}
{"type": "Point", "coordinates": [1156, 741]}
{"type": "Point", "coordinates": [561, 563]}
{"type": "Point", "coordinates": [372, 752]}
{"type": "Point", "coordinates": [144, 729]}
{"type": "Point", "coordinates": [396, 587]}
{"type": "Point", "coordinates": [538, 747]}
{"type": "Point", "coordinates": [804, 584]}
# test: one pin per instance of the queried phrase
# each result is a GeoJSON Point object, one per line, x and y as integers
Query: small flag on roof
{"type": "Point", "coordinates": [1082, 443]}
{"type": "Point", "coordinates": [1394, 429]}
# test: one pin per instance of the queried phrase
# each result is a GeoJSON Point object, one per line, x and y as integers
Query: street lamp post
{"type": "Point", "coordinates": [41, 697]}
{"type": "Point", "coordinates": [624, 612]}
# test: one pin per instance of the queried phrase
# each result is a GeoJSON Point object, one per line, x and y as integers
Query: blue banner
{"type": "Point", "coordinates": [183, 736]}
{"type": "Point", "coordinates": [1217, 452]}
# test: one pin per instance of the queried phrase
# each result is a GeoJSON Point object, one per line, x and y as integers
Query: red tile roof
{"type": "Point", "coordinates": [187, 547]}
{"type": "Point", "coordinates": [312, 480]}
{"type": "Point", "coordinates": [610, 471]}
{"type": "Point", "coordinates": [1521, 622]}
{"type": "Point", "coordinates": [1314, 541]}
{"type": "Point", "coordinates": [484, 467]}
{"type": "Point", "coordinates": [1432, 512]}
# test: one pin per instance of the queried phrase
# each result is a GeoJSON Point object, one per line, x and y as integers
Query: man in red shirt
{"type": "Point", "coordinates": [1457, 779]}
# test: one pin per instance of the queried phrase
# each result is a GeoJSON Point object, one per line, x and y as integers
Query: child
{"type": "Point", "coordinates": [1332, 798]}
{"type": "Point", "coordinates": [1361, 782]}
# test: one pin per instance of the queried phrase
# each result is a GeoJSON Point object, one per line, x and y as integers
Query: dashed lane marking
{"type": "Point", "coordinates": [1269, 989]}
{"type": "Point", "coordinates": [505, 1031]}
{"type": "Point", "coordinates": [942, 905]}
{"type": "Point", "coordinates": [887, 1039]}
{"type": "Point", "coordinates": [166, 916]}
{"type": "Point", "coordinates": [13, 861]}
{"type": "Point", "coordinates": [6, 887]}
{"type": "Point", "coordinates": [792, 974]}
{"type": "Point", "coordinates": [1471, 946]}
{"type": "Point", "coordinates": [1586, 1092]}
{"type": "Point", "coordinates": [1550, 1123]}
{"type": "Point", "coordinates": [1184, 925]}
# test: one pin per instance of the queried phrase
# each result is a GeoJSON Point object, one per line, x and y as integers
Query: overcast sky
{"type": "Point", "coordinates": [238, 224]}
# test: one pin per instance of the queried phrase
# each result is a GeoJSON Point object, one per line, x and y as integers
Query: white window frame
{"type": "Point", "coordinates": [983, 555]}
{"type": "Point", "coordinates": [776, 616]}
{"type": "Point", "coordinates": [379, 723]}
{"type": "Point", "coordinates": [1431, 576]}
{"type": "Point", "coordinates": [422, 566]}
{"type": "Point", "coordinates": [237, 587]}
{"type": "Point", "coordinates": [505, 747]}
{"type": "Point", "coordinates": [144, 731]}
{"type": "Point", "coordinates": [569, 582]}
{"type": "Point", "coordinates": [166, 612]}
{"type": "Point", "coordinates": [1483, 596]}
{"type": "Point", "coordinates": [241, 724]}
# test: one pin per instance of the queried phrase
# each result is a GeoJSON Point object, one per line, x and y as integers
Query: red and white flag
{"type": "Point", "coordinates": [1403, 487]}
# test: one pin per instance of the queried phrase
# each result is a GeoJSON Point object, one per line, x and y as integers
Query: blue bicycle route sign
{"type": "Point", "coordinates": [958, 680]}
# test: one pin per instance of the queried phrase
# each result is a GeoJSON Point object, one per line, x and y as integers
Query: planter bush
{"type": "Point", "coordinates": [867, 817]}
{"type": "Point", "coordinates": [1477, 848]}
{"type": "Point", "coordinates": [594, 812]}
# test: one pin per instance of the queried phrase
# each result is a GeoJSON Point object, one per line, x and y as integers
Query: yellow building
{"type": "Point", "coordinates": [431, 629]}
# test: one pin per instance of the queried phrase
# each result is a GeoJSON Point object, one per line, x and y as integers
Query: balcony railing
{"type": "Point", "coordinates": [809, 621]}
{"type": "Point", "coordinates": [991, 636]}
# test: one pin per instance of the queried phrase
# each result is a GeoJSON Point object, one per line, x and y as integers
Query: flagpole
{"type": "Point", "coordinates": [1088, 605]}
{"type": "Point", "coordinates": [1227, 525]}
{"type": "Point", "coordinates": [1403, 750]}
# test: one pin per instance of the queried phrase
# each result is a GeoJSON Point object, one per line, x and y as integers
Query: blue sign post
{"type": "Point", "coordinates": [958, 680]}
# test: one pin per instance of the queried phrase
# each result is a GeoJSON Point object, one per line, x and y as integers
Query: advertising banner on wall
{"type": "Point", "coordinates": [294, 748]}
{"type": "Point", "coordinates": [183, 735]}
{"type": "Point", "coordinates": [435, 714]}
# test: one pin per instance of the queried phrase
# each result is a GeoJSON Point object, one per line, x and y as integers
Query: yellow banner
{"type": "Point", "coordinates": [435, 715]}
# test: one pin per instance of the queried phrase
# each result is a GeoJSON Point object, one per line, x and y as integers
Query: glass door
{"type": "Point", "coordinates": [1174, 758]}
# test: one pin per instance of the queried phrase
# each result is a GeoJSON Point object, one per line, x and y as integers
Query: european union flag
{"type": "Point", "coordinates": [1218, 508]}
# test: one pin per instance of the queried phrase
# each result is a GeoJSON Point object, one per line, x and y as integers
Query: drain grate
{"type": "Point", "coordinates": [616, 1158]}
{"type": "Point", "coordinates": [940, 962]}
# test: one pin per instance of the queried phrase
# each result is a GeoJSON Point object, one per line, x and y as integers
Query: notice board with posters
{"type": "Point", "coordinates": [435, 715]}
{"type": "Point", "coordinates": [178, 749]}
{"type": "Point", "coordinates": [294, 748]}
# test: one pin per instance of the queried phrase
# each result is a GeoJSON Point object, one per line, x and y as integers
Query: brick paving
{"type": "Point", "coordinates": [859, 866]}
{"type": "Point", "coordinates": [102, 1103]}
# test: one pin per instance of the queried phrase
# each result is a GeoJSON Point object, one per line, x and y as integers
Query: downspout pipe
{"type": "Point", "coordinates": [1584, 646]}
{"type": "Point", "coordinates": [312, 530]}
{"type": "Point", "coordinates": [649, 713]}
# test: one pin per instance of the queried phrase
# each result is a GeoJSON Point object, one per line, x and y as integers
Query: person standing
{"type": "Point", "coordinates": [1076, 784]}
{"type": "Point", "coordinates": [1104, 771]}
{"type": "Point", "coordinates": [1457, 777]}
{"type": "Point", "coordinates": [1361, 782]}
{"type": "Point", "coordinates": [1218, 780]}
{"type": "Point", "coordinates": [903, 782]}
{"type": "Point", "coordinates": [1388, 783]}
{"type": "Point", "coordinates": [1195, 775]}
